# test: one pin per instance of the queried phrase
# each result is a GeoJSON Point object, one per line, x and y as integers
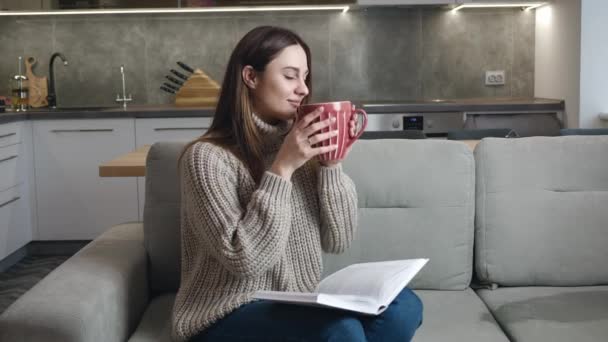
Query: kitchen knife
{"type": "Point", "coordinates": [179, 74]}
{"type": "Point", "coordinates": [167, 90]}
{"type": "Point", "coordinates": [172, 87]}
{"type": "Point", "coordinates": [174, 80]}
{"type": "Point", "coordinates": [185, 67]}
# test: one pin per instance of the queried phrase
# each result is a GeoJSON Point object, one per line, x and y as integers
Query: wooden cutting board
{"type": "Point", "coordinates": [37, 85]}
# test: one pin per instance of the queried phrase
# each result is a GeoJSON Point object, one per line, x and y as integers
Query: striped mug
{"type": "Point", "coordinates": [343, 111]}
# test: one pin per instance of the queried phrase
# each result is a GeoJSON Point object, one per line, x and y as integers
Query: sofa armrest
{"type": "Point", "coordinates": [99, 294]}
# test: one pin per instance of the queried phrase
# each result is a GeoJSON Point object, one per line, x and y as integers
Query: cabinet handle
{"type": "Point", "coordinates": [180, 128]}
{"type": "Point", "coordinates": [8, 158]}
{"type": "Point", "coordinates": [7, 135]}
{"type": "Point", "coordinates": [9, 201]}
{"type": "Point", "coordinates": [82, 130]}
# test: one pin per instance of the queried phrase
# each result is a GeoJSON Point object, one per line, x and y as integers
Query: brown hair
{"type": "Point", "coordinates": [233, 127]}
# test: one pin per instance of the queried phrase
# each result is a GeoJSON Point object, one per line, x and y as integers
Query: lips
{"type": "Point", "coordinates": [294, 103]}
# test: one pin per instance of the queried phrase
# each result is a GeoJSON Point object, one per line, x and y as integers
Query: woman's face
{"type": "Point", "coordinates": [279, 90]}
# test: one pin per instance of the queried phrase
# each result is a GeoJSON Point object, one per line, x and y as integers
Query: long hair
{"type": "Point", "coordinates": [233, 126]}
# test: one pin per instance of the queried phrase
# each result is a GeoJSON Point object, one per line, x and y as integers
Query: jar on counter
{"type": "Point", "coordinates": [19, 93]}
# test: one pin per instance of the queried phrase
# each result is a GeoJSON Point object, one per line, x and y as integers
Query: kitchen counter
{"type": "Point", "coordinates": [133, 111]}
{"type": "Point", "coordinates": [466, 105]}
{"type": "Point", "coordinates": [167, 111]}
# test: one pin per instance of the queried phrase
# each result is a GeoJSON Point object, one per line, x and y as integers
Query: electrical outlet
{"type": "Point", "coordinates": [495, 77]}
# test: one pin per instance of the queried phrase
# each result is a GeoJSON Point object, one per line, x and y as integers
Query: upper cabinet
{"type": "Point", "coordinates": [53, 5]}
{"type": "Point", "coordinates": [523, 3]}
{"type": "Point", "coordinates": [404, 2]}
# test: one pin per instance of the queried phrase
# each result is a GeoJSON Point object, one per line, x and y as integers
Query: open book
{"type": "Point", "coordinates": [366, 288]}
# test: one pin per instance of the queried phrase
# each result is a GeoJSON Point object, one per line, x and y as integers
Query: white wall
{"type": "Point", "coordinates": [557, 54]}
{"type": "Point", "coordinates": [594, 63]}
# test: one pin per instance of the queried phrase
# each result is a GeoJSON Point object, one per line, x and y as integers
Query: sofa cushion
{"type": "Point", "coordinates": [552, 314]}
{"type": "Point", "coordinates": [162, 216]}
{"type": "Point", "coordinates": [459, 315]}
{"type": "Point", "coordinates": [541, 215]}
{"type": "Point", "coordinates": [415, 200]}
{"type": "Point", "coordinates": [155, 325]}
{"type": "Point", "coordinates": [456, 316]}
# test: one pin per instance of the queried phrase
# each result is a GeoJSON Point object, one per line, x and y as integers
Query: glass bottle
{"type": "Point", "coordinates": [19, 93]}
{"type": "Point", "coordinates": [19, 90]}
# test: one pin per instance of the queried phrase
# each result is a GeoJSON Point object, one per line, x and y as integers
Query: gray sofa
{"type": "Point", "coordinates": [516, 235]}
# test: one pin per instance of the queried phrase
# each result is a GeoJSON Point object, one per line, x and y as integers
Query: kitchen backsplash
{"type": "Point", "coordinates": [375, 54]}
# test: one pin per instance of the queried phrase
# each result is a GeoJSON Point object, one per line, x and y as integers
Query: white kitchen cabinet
{"type": "Point", "coordinates": [149, 131]}
{"type": "Point", "coordinates": [10, 133]}
{"type": "Point", "coordinates": [15, 220]}
{"type": "Point", "coordinates": [16, 207]}
{"type": "Point", "coordinates": [9, 166]}
{"type": "Point", "coordinates": [73, 202]}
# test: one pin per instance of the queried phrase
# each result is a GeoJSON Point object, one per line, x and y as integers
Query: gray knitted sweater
{"type": "Point", "coordinates": [239, 237]}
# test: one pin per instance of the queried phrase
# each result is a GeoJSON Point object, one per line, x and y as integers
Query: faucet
{"type": "Point", "coordinates": [124, 98]}
{"type": "Point", "coordinates": [52, 97]}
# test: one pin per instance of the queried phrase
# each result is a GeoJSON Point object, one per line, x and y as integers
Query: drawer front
{"type": "Point", "coordinates": [10, 133]}
{"type": "Point", "coordinates": [15, 224]}
{"type": "Point", "coordinates": [9, 167]}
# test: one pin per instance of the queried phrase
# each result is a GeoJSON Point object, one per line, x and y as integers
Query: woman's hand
{"type": "Point", "coordinates": [298, 148]}
{"type": "Point", "coordinates": [353, 131]}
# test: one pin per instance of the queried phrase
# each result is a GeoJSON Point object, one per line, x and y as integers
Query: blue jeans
{"type": "Point", "coordinates": [269, 322]}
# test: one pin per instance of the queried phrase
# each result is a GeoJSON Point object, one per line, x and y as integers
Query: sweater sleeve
{"type": "Point", "coordinates": [338, 204]}
{"type": "Point", "coordinates": [246, 241]}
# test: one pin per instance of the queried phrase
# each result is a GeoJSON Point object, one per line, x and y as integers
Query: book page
{"type": "Point", "coordinates": [377, 281]}
{"type": "Point", "coordinates": [366, 288]}
{"type": "Point", "coordinates": [351, 303]}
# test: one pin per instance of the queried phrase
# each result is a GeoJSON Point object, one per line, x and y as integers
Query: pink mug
{"type": "Point", "coordinates": [343, 112]}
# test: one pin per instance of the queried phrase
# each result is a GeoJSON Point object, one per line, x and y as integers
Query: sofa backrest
{"type": "Point", "coordinates": [162, 216]}
{"type": "Point", "coordinates": [416, 200]}
{"type": "Point", "coordinates": [542, 211]}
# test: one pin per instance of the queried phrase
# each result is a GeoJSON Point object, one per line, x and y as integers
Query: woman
{"type": "Point", "coordinates": [257, 210]}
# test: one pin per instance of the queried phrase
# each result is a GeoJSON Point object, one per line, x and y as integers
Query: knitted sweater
{"type": "Point", "coordinates": [239, 237]}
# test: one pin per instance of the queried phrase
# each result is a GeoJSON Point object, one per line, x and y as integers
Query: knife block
{"type": "Point", "coordinates": [198, 91]}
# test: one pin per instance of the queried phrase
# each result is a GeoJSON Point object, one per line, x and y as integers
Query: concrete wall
{"type": "Point", "coordinates": [375, 54]}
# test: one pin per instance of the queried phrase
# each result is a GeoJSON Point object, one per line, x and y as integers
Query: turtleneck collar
{"type": "Point", "coordinates": [273, 135]}
{"type": "Point", "coordinates": [267, 129]}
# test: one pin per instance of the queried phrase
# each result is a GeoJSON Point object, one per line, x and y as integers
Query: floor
{"type": "Point", "coordinates": [22, 276]}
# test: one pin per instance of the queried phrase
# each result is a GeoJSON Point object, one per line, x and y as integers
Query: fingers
{"type": "Point", "coordinates": [353, 126]}
{"type": "Point", "coordinates": [317, 138]}
{"type": "Point", "coordinates": [323, 149]}
{"type": "Point", "coordinates": [317, 126]}
{"type": "Point", "coordinates": [308, 118]}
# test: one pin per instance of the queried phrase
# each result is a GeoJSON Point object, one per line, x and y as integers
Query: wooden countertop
{"type": "Point", "coordinates": [133, 164]}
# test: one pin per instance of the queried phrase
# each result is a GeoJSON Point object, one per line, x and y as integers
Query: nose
{"type": "Point", "coordinates": [302, 89]}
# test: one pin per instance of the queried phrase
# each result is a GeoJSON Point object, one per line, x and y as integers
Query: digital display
{"type": "Point", "coordinates": [413, 122]}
